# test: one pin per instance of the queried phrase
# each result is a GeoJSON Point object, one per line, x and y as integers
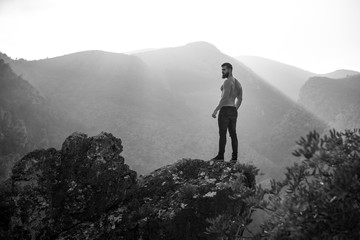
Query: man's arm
{"type": "Point", "coordinates": [224, 96]}
{"type": "Point", "coordinates": [239, 98]}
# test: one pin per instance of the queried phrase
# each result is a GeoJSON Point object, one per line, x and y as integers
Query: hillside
{"type": "Point", "coordinates": [288, 79]}
{"type": "Point", "coordinates": [194, 72]}
{"type": "Point", "coordinates": [335, 101]}
{"type": "Point", "coordinates": [27, 121]}
{"type": "Point", "coordinates": [110, 91]}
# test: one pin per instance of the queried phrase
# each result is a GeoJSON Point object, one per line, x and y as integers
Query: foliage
{"type": "Point", "coordinates": [320, 196]}
{"type": "Point", "coordinates": [187, 191]}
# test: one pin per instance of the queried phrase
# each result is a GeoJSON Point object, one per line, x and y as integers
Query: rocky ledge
{"type": "Point", "coordinates": [86, 191]}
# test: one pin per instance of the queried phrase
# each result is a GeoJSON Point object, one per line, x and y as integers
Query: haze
{"type": "Point", "coordinates": [318, 36]}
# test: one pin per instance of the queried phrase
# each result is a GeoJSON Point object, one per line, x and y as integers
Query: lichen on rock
{"type": "Point", "coordinates": [86, 191]}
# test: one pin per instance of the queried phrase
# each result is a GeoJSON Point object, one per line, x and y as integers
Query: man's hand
{"type": "Point", "coordinates": [214, 114]}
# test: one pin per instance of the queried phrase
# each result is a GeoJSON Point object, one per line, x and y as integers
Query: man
{"type": "Point", "coordinates": [231, 89]}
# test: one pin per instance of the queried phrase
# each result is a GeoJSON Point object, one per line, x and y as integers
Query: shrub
{"type": "Point", "coordinates": [320, 196]}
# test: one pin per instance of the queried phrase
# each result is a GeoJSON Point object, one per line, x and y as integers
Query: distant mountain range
{"type": "Point", "coordinates": [335, 101]}
{"type": "Point", "coordinates": [288, 79]}
{"type": "Point", "coordinates": [159, 102]}
{"type": "Point", "coordinates": [112, 92]}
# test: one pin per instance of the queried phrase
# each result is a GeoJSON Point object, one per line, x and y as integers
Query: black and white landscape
{"type": "Point", "coordinates": [106, 127]}
{"type": "Point", "coordinates": [159, 102]}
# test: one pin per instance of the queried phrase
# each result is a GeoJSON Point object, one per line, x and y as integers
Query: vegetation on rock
{"type": "Point", "coordinates": [86, 191]}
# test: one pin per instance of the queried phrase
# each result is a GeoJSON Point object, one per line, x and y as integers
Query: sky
{"type": "Point", "coordinates": [316, 35]}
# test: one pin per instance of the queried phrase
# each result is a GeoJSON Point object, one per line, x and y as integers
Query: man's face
{"type": "Point", "coordinates": [225, 72]}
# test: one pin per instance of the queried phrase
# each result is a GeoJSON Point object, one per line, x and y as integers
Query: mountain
{"type": "Point", "coordinates": [161, 102]}
{"type": "Point", "coordinates": [296, 123]}
{"type": "Point", "coordinates": [268, 121]}
{"type": "Point", "coordinates": [288, 79]}
{"type": "Point", "coordinates": [193, 71]}
{"type": "Point", "coordinates": [140, 51]}
{"type": "Point", "coordinates": [335, 101]}
{"type": "Point", "coordinates": [118, 92]}
{"type": "Point", "coordinates": [27, 121]}
{"type": "Point", "coordinates": [341, 73]}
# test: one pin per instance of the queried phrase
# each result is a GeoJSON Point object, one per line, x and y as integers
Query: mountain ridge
{"type": "Point", "coordinates": [285, 77]}
{"type": "Point", "coordinates": [335, 101]}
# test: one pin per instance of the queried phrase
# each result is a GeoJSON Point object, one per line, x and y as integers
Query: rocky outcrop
{"type": "Point", "coordinates": [177, 202]}
{"type": "Point", "coordinates": [51, 191]}
{"type": "Point", "coordinates": [86, 191]}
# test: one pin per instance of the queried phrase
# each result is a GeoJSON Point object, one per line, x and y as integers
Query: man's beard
{"type": "Point", "coordinates": [225, 75]}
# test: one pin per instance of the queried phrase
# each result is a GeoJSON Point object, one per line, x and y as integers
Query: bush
{"type": "Point", "coordinates": [320, 196]}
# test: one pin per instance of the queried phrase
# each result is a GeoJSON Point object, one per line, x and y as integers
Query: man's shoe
{"type": "Point", "coordinates": [233, 161]}
{"type": "Point", "coordinates": [217, 159]}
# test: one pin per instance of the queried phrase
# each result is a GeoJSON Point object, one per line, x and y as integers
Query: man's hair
{"type": "Point", "coordinates": [227, 65]}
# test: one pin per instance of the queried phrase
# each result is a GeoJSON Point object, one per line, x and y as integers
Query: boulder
{"type": "Point", "coordinates": [86, 191]}
{"type": "Point", "coordinates": [52, 191]}
{"type": "Point", "coordinates": [179, 201]}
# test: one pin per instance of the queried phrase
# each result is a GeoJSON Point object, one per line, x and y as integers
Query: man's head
{"type": "Point", "coordinates": [226, 69]}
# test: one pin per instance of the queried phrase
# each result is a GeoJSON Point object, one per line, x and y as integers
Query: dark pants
{"type": "Point", "coordinates": [227, 120]}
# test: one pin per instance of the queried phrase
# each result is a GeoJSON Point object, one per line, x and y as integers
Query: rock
{"type": "Point", "coordinates": [6, 208]}
{"type": "Point", "coordinates": [53, 191]}
{"type": "Point", "coordinates": [176, 202]}
{"type": "Point", "coordinates": [86, 191]}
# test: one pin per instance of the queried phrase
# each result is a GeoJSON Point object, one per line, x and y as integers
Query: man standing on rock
{"type": "Point", "coordinates": [231, 89]}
